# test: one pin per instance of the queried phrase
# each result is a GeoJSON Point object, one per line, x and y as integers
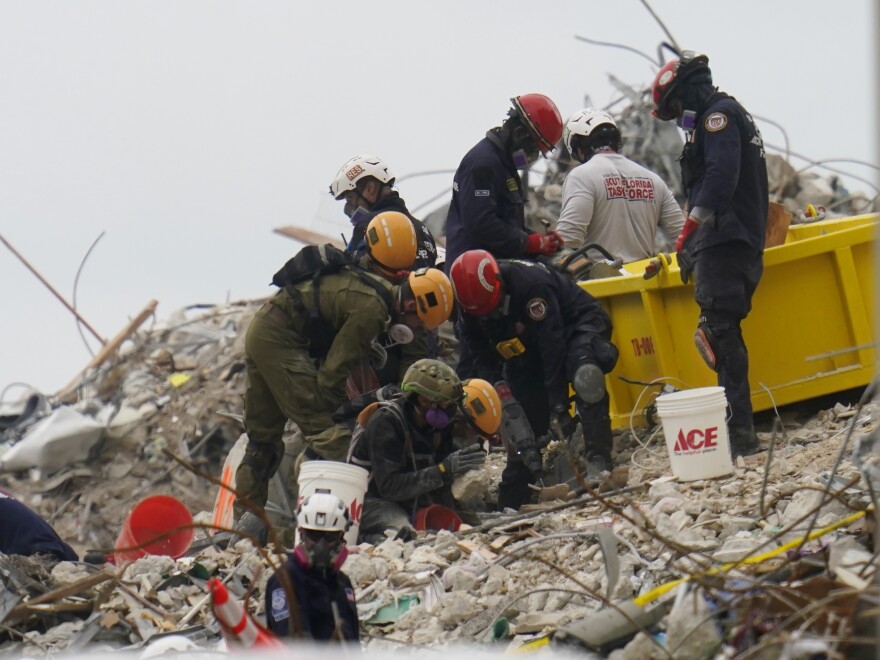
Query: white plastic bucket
{"type": "Point", "coordinates": [347, 482]}
{"type": "Point", "coordinates": [696, 432]}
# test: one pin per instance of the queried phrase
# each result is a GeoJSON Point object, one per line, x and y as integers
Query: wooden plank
{"type": "Point", "coordinates": [68, 393]}
{"type": "Point", "coordinates": [469, 546]}
{"type": "Point", "coordinates": [308, 236]}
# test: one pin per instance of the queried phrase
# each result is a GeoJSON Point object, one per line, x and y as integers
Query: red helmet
{"type": "Point", "coordinates": [541, 117]}
{"type": "Point", "coordinates": [671, 75]}
{"type": "Point", "coordinates": [476, 282]}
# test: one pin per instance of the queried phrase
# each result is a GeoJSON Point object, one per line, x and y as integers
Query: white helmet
{"type": "Point", "coordinates": [584, 122]}
{"type": "Point", "coordinates": [356, 169]}
{"type": "Point", "coordinates": [323, 512]}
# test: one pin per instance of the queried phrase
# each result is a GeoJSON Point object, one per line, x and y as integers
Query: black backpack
{"type": "Point", "coordinates": [312, 263]}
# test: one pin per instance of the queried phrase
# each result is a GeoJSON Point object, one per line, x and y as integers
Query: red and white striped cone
{"type": "Point", "coordinates": [236, 621]}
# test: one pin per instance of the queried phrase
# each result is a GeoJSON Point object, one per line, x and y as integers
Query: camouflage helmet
{"type": "Point", "coordinates": [434, 380]}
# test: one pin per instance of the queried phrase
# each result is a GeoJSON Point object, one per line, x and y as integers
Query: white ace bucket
{"type": "Point", "coordinates": [347, 482]}
{"type": "Point", "coordinates": [696, 432]}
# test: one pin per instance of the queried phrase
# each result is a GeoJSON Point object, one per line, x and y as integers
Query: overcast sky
{"type": "Point", "coordinates": [188, 130]}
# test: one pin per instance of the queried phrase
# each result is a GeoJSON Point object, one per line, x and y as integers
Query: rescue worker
{"type": "Point", "coordinates": [300, 349]}
{"type": "Point", "coordinates": [488, 196]}
{"type": "Point", "coordinates": [540, 331]}
{"type": "Point", "coordinates": [23, 532]}
{"type": "Point", "coordinates": [724, 174]}
{"type": "Point", "coordinates": [408, 445]}
{"type": "Point", "coordinates": [366, 183]}
{"type": "Point", "coordinates": [611, 200]}
{"type": "Point", "coordinates": [324, 594]}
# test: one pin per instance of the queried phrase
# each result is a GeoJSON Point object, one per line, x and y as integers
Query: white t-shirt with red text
{"type": "Point", "coordinates": [612, 201]}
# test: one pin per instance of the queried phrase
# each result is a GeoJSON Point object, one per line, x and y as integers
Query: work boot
{"type": "Point", "coordinates": [598, 467]}
{"type": "Point", "coordinates": [743, 441]}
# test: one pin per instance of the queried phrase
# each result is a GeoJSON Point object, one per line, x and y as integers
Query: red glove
{"type": "Point", "coordinates": [548, 243]}
{"type": "Point", "coordinates": [690, 226]}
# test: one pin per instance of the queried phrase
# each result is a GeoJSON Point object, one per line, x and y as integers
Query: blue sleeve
{"type": "Point", "coordinates": [479, 186]}
{"type": "Point", "coordinates": [721, 154]}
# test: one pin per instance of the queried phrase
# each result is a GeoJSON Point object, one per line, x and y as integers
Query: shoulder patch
{"type": "Point", "coordinates": [279, 604]}
{"type": "Point", "coordinates": [537, 308]}
{"type": "Point", "coordinates": [512, 185]}
{"type": "Point", "coordinates": [349, 594]}
{"type": "Point", "coordinates": [715, 122]}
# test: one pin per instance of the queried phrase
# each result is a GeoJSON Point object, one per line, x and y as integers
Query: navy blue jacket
{"type": "Point", "coordinates": [23, 532]}
{"type": "Point", "coordinates": [315, 591]}
{"type": "Point", "coordinates": [426, 248]}
{"type": "Point", "coordinates": [724, 169]}
{"type": "Point", "coordinates": [544, 309]}
{"type": "Point", "coordinates": [488, 204]}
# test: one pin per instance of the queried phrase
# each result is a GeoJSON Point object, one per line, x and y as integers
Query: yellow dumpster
{"type": "Point", "coordinates": [810, 332]}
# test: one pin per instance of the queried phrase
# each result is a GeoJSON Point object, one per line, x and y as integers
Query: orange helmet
{"type": "Point", "coordinates": [391, 241]}
{"type": "Point", "coordinates": [482, 405]}
{"type": "Point", "coordinates": [541, 116]}
{"type": "Point", "coordinates": [476, 281]}
{"type": "Point", "coordinates": [433, 295]}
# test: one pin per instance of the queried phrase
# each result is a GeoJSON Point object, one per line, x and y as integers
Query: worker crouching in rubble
{"type": "Point", "coordinates": [325, 602]}
{"type": "Point", "coordinates": [541, 331]}
{"type": "Point", "coordinates": [302, 345]}
{"type": "Point", "coordinates": [409, 445]}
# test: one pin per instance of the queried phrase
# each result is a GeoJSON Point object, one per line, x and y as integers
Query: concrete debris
{"type": "Point", "coordinates": [540, 571]}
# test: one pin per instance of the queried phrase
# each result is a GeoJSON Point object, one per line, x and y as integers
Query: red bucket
{"type": "Point", "coordinates": [150, 518]}
{"type": "Point", "coordinates": [436, 517]}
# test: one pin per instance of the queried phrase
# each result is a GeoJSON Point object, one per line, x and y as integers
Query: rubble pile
{"type": "Point", "coordinates": [777, 557]}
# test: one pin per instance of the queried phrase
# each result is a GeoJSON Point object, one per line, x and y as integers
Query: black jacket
{"type": "Point", "coordinates": [403, 461]}
{"type": "Point", "coordinates": [545, 310]}
{"type": "Point", "coordinates": [23, 532]}
{"type": "Point", "coordinates": [426, 247]}
{"type": "Point", "coordinates": [724, 169]}
{"type": "Point", "coordinates": [488, 204]}
{"type": "Point", "coordinates": [315, 590]}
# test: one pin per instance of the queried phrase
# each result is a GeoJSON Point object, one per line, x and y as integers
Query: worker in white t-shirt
{"type": "Point", "coordinates": [609, 199]}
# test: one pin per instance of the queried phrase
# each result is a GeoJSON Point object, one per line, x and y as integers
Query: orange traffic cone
{"type": "Point", "coordinates": [237, 624]}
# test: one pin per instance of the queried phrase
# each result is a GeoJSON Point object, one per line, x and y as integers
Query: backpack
{"type": "Point", "coordinates": [360, 430]}
{"type": "Point", "coordinates": [312, 263]}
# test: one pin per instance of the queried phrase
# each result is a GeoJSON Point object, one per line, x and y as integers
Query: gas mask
{"type": "Point", "coordinates": [325, 553]}
{"type": "Point", "coordinates": [399, 333]}
{"type": "Point", "coordinates": [687, 121]}
{"type": "Point", "coordinates": [356, 214]}
{"type": "Point", "coordinates": [437, 417]}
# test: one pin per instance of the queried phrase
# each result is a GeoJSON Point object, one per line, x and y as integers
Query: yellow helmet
{"type": "Point", "coordinates": [391, 241]}
{"type": "Point", "coordinates": [433, 295]}
{"type": "Point", "coordinates": [482, 405]}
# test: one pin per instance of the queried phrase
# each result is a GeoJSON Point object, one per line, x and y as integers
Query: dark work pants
{"type": "Point", "coordinates": [726, 277]}
{"type": "Point", "coordinates": [528, 388]}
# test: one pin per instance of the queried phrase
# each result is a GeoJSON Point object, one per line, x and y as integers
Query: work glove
{"type": "Point", "coordinates": [548, 243]}
{"type": "Point", "coordinates": [690, 226]}
{"type": "Point", "coordinates": [461, 461]}
{"type": "Point", "coordinates": [561, 423]}
{"type": "Point", "coordinates": [685, 260]}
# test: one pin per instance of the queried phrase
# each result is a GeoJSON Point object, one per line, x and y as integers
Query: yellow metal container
{"type": "Point", "coordinates": [810, 332]}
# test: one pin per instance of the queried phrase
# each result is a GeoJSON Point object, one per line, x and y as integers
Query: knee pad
{"type": "Point", "coordinates": [589, 383]}
{"type": "Point", "coordinates": [264, 458]}
{"type": "Point", "coordinates": [716, 342]}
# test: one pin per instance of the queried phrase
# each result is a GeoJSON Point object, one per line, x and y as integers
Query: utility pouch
{"type": "Point", "coordinates": [510, 348]}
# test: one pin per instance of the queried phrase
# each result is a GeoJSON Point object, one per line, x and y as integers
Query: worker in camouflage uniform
{"type": "Point", "coordinates": [295, 372]}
